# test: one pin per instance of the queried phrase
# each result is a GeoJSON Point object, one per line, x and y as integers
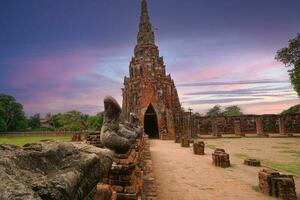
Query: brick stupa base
{"type": "Point", "coordinates": [220, 158]}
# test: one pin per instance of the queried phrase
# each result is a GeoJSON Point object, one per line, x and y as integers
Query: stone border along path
{"type": "Point", "coordinates": [181, 175]}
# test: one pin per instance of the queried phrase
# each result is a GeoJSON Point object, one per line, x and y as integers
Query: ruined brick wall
{"type": "Point", "coordinates": [247, 123]}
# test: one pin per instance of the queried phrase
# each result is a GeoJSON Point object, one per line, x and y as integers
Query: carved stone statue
{"type": "Point", "coordinates": [115, 136]}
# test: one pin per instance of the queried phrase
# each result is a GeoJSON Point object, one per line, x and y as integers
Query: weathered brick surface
{"type": "Point", "coordinates": [273, 183]}
{"type": "Point", "coordinates": [185, 142]}
{"type": "Point", "coordinates": [148, 84]}
{"type": "Point", "coordinates": [198, 148]}
{"type": "Point", "coordinates": [220, 158]}
{"type": "Point", "coordinates": [76, 137]}
{"type": "Point", "coordinates": [252, 162]}
{"type": "Point", "coordinates": [246, 124]}
{"type": "Point", "coordinates": [238, 129]}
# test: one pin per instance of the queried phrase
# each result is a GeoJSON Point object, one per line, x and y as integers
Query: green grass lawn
{"type": "Point", "coordinates": [292, 167]}
{"type": "Point", "coordinates": [21, 140]}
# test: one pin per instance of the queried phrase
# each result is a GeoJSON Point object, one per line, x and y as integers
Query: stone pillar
{"type": "Point", "coordinates": [215, 131]}
{"type": "Point", "coordinates": [237, 128]}
{"type": "Point", "coordinates": [282, 129]}
{"type": "Point", "coordinates": [260, 127]}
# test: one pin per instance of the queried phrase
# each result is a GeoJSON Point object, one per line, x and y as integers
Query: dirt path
{"type": "Point", "coordinates": [181, 175]}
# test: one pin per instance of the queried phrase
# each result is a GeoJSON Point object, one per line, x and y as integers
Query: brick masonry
{"type": "Point", "coordinates": [275, 184]}
{"type": "Point", "coordinates": [221, 158]}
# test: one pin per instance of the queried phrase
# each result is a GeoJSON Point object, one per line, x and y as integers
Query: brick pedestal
{"type": "Point", "coordinates": [220, 158]}
{"type": "Point", "coordinates": [273, 183]}
{"type": "Point", "coordinates": [252, 162]}
{"type": "Point", "coordinates": [185, 142]}
{"type": "Point", "coordinates": [125, 176]}
{"type": "Point", "coordinates": [198, 148]}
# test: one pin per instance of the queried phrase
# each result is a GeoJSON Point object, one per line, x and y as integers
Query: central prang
{"type": "Point", "coordinates": [148, 87]}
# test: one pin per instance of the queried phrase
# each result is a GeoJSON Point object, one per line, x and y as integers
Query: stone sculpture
{"type": "Point", "coordinates": [51, 170]}
{"type": "Point", "coordinates": [114, 135]}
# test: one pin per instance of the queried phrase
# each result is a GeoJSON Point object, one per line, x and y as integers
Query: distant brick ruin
{"type": "Point", "coordinates": [262, 125]}
{"type": "Point", "coordinates": [152, 95]}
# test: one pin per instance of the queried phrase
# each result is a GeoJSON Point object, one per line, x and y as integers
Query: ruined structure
{"type": "Point", "coordinates": [221, 158]}
{"type": "Point", "coordinates": [261, 125]}
{"type": "Point", "coordinates": [130, 168]}
{"type": "Point", "coordinates": [275, 184]}
{"type": "Point", "coordinates": [148, 91]}
{"type": "Point", "coordinates": [152, 96]}
{"type": "Point", "coordinates": [52, 170]}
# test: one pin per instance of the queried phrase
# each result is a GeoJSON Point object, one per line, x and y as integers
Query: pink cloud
{"type": "Point", "coordinates": [269, 107]}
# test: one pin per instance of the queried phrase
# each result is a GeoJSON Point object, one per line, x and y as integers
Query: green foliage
{"type": "Point", "coordinates": [290, 56]}
{"type": "Point", "coordinates": [12, 116]}
{"type": "Point", "coordinates": [34, 122]}
{"type": "Point", "coordinates": [2, 125]}
{"type": "Point", "coordinates": [292, 110]}
{"type": "Point", "coordinates": [256, 188]}
{"type": "Point", "coordinates": [232, 111]}
{"type": "Point", "coordinates": [215, 111]}
{"type": "Point", "coordinates": [197, 114]}
{"type": "Point", "coordinates": [75, 121]}
{"type": "Point", "coordinates": [95, 122]}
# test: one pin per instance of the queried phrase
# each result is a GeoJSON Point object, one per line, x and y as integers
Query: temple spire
{"type": "Point", "coordinates": [145, 35]}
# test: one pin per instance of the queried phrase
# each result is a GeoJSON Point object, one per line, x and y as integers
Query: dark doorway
{"type": "Point", "coordinates": [150, 123]}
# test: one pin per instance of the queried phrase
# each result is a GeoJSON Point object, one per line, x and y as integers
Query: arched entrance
{"type": "Point", "coordinates": [150, 123]}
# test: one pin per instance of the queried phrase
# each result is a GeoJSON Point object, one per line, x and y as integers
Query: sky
{"type": "Point", "coordinates": [61, 55]}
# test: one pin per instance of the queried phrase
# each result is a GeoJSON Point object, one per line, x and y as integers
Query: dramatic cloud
{"type": "Point", "coordinates": [67, 55]}
{"type": "Point", "coordinates": [219, 101]}
{"type": "Point", "coordinates": [232, 83]}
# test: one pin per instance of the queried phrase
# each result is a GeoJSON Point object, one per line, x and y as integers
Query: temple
{"type": "Point", "coordinates": [148, 91]}
{"type": "Point", "coordinates": [152, 96]}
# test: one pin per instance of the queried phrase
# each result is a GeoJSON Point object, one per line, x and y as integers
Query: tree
{"type": "Point", "coordinates": [232, 111]}
{"type": "Point", "coordinates": [197, 114]}
{"type": "Point", "coordinates": [290, 56]}
{"type": "Point", "coordinates": [95, 122]}
{"type": "Point", "coordinates": [12, 116]}
{"type": "Point", "coordinates": [292, 110]}
{"type": "Point", "coordinates": [2, 125]}
{"type": "Point", "coordinates": [215, 111]}
{"type": "Point", "coordinates": [34, 122]}
{"type": "Point", "coordinates": [75, 121]}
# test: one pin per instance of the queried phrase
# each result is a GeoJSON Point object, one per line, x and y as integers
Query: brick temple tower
{"type": "Point", "coordinates": [148, 91]}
